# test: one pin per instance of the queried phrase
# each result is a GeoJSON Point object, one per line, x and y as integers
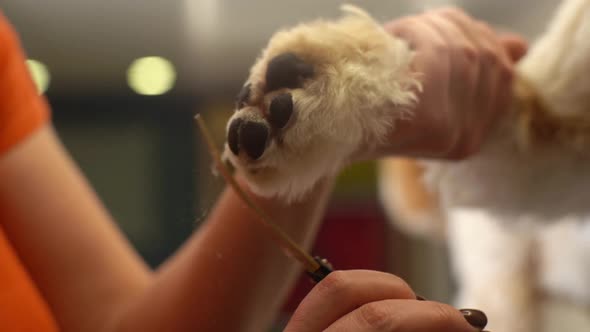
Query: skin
{"type": "Point", "coordinates": [467, 71]}
{"type": "Point", "coordinates": [360, 300]}
{"type": "Point", "coordinates": [229, 276]}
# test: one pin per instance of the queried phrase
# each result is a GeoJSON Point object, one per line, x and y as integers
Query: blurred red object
{"type": "Point", "coordinates": [353, 236]}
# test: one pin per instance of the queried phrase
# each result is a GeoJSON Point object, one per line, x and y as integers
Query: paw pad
{"type": "Point", "coordinates": [248, 136]}
{"type": "Point", "coordinates": [233, 135]}
{"type": "Point", "coordinates": [280, 110]}
{"type": "Point", "coordinates": [253, 138]}
{"type": "Point", "coordinates": [286, 71]}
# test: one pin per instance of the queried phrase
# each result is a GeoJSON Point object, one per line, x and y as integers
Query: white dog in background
{"type": "Point", "coordinates": [515, 214]}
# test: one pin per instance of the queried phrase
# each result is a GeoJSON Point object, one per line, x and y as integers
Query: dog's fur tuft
{"type": "Point", "coordinates": [362, 83]}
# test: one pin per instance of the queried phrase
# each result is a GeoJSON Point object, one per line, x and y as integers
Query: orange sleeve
{"type": "Point", "coordinates": [22, 309]}
{"type": "Point", "coordinates": [22, 110]}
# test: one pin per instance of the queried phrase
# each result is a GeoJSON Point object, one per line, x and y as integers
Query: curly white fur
{"type": "Point", "coordinates": [362, 83]}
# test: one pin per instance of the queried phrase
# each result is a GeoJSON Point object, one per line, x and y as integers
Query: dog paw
{"type": "Point", "coordinates": [318, 93]}
{"type": "Point", "coordinates": [260, 121]}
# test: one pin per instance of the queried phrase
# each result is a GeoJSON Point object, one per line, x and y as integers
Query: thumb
{"type": "Point", "coordinates": [515, 45]}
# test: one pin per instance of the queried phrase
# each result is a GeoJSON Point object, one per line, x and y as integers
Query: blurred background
{"type": "Point", "coordinates": [125, 78]}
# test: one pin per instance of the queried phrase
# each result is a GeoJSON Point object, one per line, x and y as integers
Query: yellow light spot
{"type": "Point", "coordinates": [151, 75]}
{"type": "Point", "coordinates": [40, 75]}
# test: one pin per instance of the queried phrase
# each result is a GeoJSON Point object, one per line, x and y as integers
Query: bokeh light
{"type": "Point", "coordinates": [152, 75]}
{"type": "Point", "coordinates": [40, 75]}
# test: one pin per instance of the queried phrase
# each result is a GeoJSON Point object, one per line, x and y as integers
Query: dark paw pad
{"type": "Point", "coordinates": [232, 135]}
{"type": "Point", "coordinates": [286, 71]}
{"type": "Point", "coordinates": [280, 110]}
{"type": "Point", "coordinates": [252, 138]}
{"type": "Point", "coordinates": [249, 136]}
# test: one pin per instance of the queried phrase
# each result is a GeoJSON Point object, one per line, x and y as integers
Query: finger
{"type": "Point", "coordinates": [501, 83]}
{"type": "Point", "coordinates": [492, 51]}
{"type": "Point", "coordinates": [401, 316]}
{"type": "Point", "coordinates": [412, 29]}
{"type": "Point", "coordinates": [481, 35]}
{"type": "Point", "coordinates": [464, 83]}
{"type": "Point", "coordinates": [503, 100]}
{"type": "Point", "coordinates": [342, 292]}
{"type": "Point", "coordinates": [492, 40]}
{"type": "Point", "coordinates": [433, 64]}
{"type": "Point", "coordinates": [453, 36]}
{"type": "Point", "coordinates": [463, 22]}
{"type": "Point", "coordinates": [494, 61]}
{"type": "Point", "coordinates": [495, 68]}
{"type": "Point", "coordinates": [515, 46]}
{"type": "Point", "coordinates": [464, 66]}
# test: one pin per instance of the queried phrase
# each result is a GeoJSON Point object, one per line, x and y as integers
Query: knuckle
{"type": "Point", "coordinates": [403, 26]}
{"type": "Point", "coordinates": [407, 21]}
{"type": "Point", "coordinates": [335, 283]}
{"type": "Point", "coordinates": [450, 11]}
{"type": "Point", "coordinates": [488, 51]}
{"type": "Point", "coordinates": [403, 287]}
{"type": "Point", "coordinates": [469, 52]}
{"type": "Point", "coordinates": [489, 55]}
{"type": "Point", "coordinates": [397, 27]}
{"type": "Point", "coordinates": [457, 15]}
{"type": "Point", "coordinates": [485, 27]}
{"type": "Point", "coordinates": [444, 314]}
{"type": "Point", "coordinates": [376, 316]}
{"type": "Point", "coordinates": [440, 48]}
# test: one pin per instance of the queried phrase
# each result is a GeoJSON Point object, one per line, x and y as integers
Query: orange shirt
{"type": "Point", "coordinates": [22, 112]}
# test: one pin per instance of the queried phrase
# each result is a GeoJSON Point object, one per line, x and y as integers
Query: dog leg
{"type": "Point", "coordinates": [492, 265]}
{"type": "Point", "coordinates": [406, 200]}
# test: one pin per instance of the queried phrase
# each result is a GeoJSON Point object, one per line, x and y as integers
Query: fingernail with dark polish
{"type": "Point", "coordinates": [475, 318]}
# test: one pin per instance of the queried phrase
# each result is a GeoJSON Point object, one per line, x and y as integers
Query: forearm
{"type": "Point", "coordinates": [230, 276]}
{"type": "Point", "coordinates": [77, 257]}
